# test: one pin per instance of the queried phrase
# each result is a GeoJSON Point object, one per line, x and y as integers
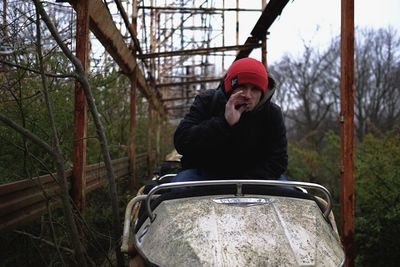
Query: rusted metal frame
{"type": "Point", "coordinates": [133, 33]}
{"type": "Point", "coordinates": [174, 29]}
{"type": "Point", "coordinates": [132, 121]}
{"type": "Point", "coordinates": [128, 25]}
{"type": "Point", "coordinates": [188, 82]}
{"type": "Point", "coordinates": [103, 27]}
{"type": "Point", "coordinates": [269, 14]}
{"type": "Point", "coordinates": [193, 28]}
{"type": "Point", "coordinates": [152, 40]}
{"type": "Point", "coordinates": [24, 201]}
{"type": "Point", "coordinates": [181, 76]}
{"type": "Point", "coordinates": [158, 19]}
{"type": "Point", "coordinates": [200, 51]}
{"type": "Point", "coordinates": [169, 67]}
{"type": "Point", "coordinates": [158, 137]}
{"type": "Point", "coordinates": [177, 98]}
{"type": "Point", "coordinates": [223, 36]}
{"type": "Point", "coordinates": [264, 41]}
{"type": "Point", "coordinates": [80, 110]}
{"type": "Point", "coordinates": [347, 91]}
{"type": "Point", "coordinates": [205, 9]}
{"type": "Point", "coordinates": [4, 26]}
{"type": "Point", "coordinates": [194, 12]}
{"type": "Point", "coordinates": [237, 23]}
{"type": "Point", "coordinates": [149, 157]}
{"type": "Point", "coordinates": [179, 107]}
{"type": "Point", "coordinates": [194, 65]}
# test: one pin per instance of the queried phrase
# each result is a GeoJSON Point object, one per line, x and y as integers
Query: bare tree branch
{"type": "Point", "coordinates": [44, 241]}
{"type": "Point", "coordinates": [8, 63]}
{"type": "Point", "coordinates": [117, 229]}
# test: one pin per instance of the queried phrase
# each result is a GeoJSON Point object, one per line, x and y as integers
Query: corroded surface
{"type": "Point", "coordinates": [277, 232]}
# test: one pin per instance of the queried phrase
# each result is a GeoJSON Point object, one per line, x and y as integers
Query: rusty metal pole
{"type": "Point", "coordinates": [132, 121]}
{"type": "Point", "coordinates": [78, 182]}
{"type": "Point", "coordinates": [237, 22]}
{"type": "Point", "coordinates": [149, 110]}
{"type": "Point", "coordinates": [149, 141]}
{"type": "Point", "coordinates": [5, 35]}
{"type": "Point", "coordinates": [264, 41]}
{"type": "Point", "coordinates": [4, 27]}
{"type": "Point", "coordinates": [158, 137]}
{"type": "Point", "coordinates": [152, 38]}
{"type": "Point", "coordinates": [223, 36]}
{"type": "Point", "coordinates": [347, 200]}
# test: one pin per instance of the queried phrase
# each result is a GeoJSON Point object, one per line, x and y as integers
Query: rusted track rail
{"type": "Point", "coordinates": [270, 13]}
{"type": "Point", "coordinates": [26, 200]}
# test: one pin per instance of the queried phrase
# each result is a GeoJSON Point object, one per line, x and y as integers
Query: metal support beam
{"type": "Point", "coordinates": [200, 51]}
{"type": "Point", "coordinates": [178, 107]}
{"type": "Point", "coordinates": [80, 110]}
{"type": "Point", "coordinates": [150, 129]}
{"type": "Point", "coordinates": [202, 9]}
{"type": "Point", "coordinates": [177, 98]}
{"type": "Point", "coordinates": [132, 121]}
{"type": "Point", "coordinates": [264, 42]}
{"type": "Point", "coordinates": [347, 199]}
{"type": "Point", "coordinates": [103, 27]}
{"type": "Point", "coordinates": [132, 133]}
{"type": "Point", "coordinates": [270, 13]}
{"type": "Point", "coordinates": [188, 82]}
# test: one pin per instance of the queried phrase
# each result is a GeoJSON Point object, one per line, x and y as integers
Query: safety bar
{"type": "Point", "coordinates": [127, 221]}
{"type": "Point", "coordinates": [239, 184]}
{"type": "Point", "coordinates": [165, 176]}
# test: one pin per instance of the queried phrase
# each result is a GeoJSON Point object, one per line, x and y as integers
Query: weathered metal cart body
{"type": "Point", "coordinates": [234, 223]}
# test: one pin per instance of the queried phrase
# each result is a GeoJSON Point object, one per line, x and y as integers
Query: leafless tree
{"type": "Point", "coordinates": [377, 80]}
{"type": "Point", "coordinates": [309, 86]}
{"type": "Point", "coordinates": [306, 91]}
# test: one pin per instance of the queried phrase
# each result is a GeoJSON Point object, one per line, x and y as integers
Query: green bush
{"type": "Point", "coordinates": [377, 200]}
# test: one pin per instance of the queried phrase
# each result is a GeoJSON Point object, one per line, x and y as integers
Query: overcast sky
{"type": "Point", "coordinates": [316, 22]}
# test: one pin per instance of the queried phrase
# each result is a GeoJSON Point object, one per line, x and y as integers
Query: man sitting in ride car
{"type": "Point", "coordinates": [234, 133]}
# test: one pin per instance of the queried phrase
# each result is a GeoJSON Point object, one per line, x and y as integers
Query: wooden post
{"type": "Point", "coordinates": [78, 182]}
{"type": "Point", "coordinates": [132, 121]}
{"type": "Point", "coordinates": [347, 200]}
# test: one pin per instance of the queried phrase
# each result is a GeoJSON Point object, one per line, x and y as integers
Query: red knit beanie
{"type": "Point", "coordinates": [246, 70]}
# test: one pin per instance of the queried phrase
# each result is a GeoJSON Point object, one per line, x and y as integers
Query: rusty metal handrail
{"type": "Point", "coordinates": [24, 201]}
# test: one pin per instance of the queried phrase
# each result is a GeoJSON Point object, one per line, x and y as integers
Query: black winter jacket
{"type": "Point", "coordinates": [255, 147]}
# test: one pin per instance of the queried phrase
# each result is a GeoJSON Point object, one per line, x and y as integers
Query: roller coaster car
{"type": "Point", "coordinates": [232, 223]}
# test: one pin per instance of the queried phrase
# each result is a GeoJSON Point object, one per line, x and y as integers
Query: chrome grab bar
{"type": "Point", "coordinates": [165, 176]}
{"type": "Point", "coordinates": [127, 221]}
{"type": "Point", "coordinates": [239, 184]}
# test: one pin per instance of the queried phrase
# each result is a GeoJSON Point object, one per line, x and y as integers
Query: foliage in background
{"type": "Point", "coordinates": [320, 164]}
{"type": "Point", "coordinates": [378, 200]}
{"type": "Point", "coordinates": [377, 177]}
{"type": "Point", "coordinates": [21, 99]}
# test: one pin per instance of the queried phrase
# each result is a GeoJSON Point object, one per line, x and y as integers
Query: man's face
{"type": "Point", "coordinates": [249, 96]}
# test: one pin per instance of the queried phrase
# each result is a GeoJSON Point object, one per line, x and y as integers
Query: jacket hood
{"type": "Point", "coordinates": [265, 98]}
